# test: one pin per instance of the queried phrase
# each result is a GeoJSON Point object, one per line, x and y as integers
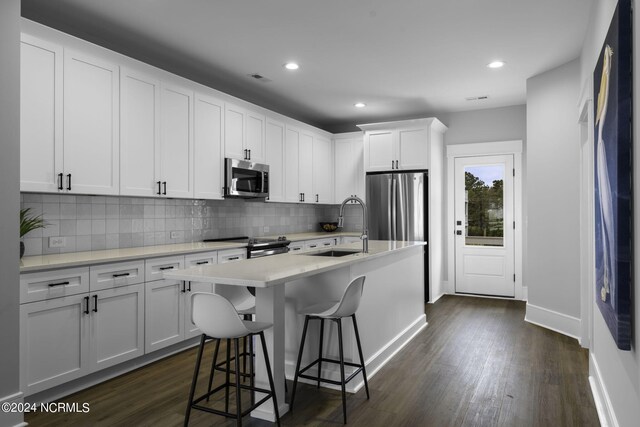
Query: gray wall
{"type": "Point", "coordinates": [552, 263]}
{"type": "Point", "coordinates": [490, 125]}
{"type": "Point", "coordinates": [9, 187]}
{"type": "Point", "coordinates": [618, 370]}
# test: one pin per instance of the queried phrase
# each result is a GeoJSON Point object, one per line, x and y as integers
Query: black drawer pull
{"type": "Point", "coordinates": [86, 305]}
{"type": "Point", "coordinates": [202, 262]}
{"type": "Point", "coordinates": [164, 186]}
{"type": "Point", "coordinates": [159, 184]}
{"type": "Point", "coordinates": [121, 275]}
{"type": "Point", "coordinates": [69, 186]}
{"type": "Point", "coordinates": [166, 268]}
{"type": "Point", "coordinates": [233, 258]}
{"type": "Point", "coordinates": [60, 182]}
{"type": "Point", "coordinates": [51, 285]}
{"type": "Point", "coordinates": [95, 303]}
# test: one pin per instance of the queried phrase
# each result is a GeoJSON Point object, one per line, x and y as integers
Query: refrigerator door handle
{"type": "Point", "coordinates": [392, 223]}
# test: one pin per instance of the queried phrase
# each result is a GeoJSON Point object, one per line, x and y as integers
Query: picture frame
{"type": "Point", "coordinates": [613, 176]}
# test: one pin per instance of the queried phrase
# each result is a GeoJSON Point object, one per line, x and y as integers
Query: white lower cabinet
{"type": "Point", "coordinates": [296, 246]}
{"type": "Point", "coordinates": [320, 243]}
{"type": "Point", "coordinates": [164, 314]}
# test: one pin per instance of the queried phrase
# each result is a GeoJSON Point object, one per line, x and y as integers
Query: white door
{"type": "Point", "coordinates": [305, 165]}
{"type": "Point", "coordinates": [379, 151]}
{"type": "Point", "coordinates": [208, 160]}
{"type": "Point", "coordinates": [322, 171]}
{"type": "Point", "coordinates": [275, 159]}
{"type": "Point", "coordinates": [164, 314]}
{"type": "Point", "coordinates": [291, 165]}
{"type": "Point", "coordinates": [412, 149]}
{"type": "Point", "coordinates": [91, 125]}
{"type": "Point", "coordinates": [40, 115]}
{"type": "Point", "coordinates": [117, 325]}
{"type": "Point", "coordinates": [234, 132]}
{"type": "Point", "coordinates": [484, 225]}
{"type": "Point", "coordinates": [176, 141]}
{"type": "Point", "coordinates": [254, 136]}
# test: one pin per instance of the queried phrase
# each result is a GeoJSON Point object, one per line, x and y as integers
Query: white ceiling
{"type": "Point", "coordinates": [403, 58]}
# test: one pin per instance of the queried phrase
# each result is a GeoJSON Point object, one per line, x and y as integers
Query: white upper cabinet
{"type": "Point", "coordinates": [176, 141]}
{"type": "Point", "coordinates": [305, 165]}
{"type": "Point", "coordinates": [291, 165]}
{"type": "Point", "coordinates": [322, 170]}
{"type": "Point", "coordinates": [91, 154]}
{"type": "Point", "coordinates": [349, 170]}
{"type": "Point", "coordinates": [40, 115]}
{"type": "Point", "coordinates": [275, 142]}
{"type": "Point", "coordinates": [208, 143]}
{"type": "Point", "coordinates": [244, 134]}
{"type": "Point", "coordinates": [139, 133]}
{"type": "Point", "coordinates": [404, 145]}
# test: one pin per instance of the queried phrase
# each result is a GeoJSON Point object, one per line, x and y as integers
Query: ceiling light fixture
{"type": "Point", "coordinates": [496, 64]}
{"type": "Point", "coordinates": [359, 105]}
{"type": "Point", "coordinates": [291, 66]}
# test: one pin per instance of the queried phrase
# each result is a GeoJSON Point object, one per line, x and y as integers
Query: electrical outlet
{"type": "Point", "coordinates": [265, 229]}
{"type": "Point", "coordinates": [57, 242]}
{"type": "Point", "coordinates": [175, 235]}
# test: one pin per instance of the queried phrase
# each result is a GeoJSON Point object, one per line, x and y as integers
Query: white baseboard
{"type": "Point", "coordinates": [436, 298]}
{"type": "Point", "coordinates": [270, 416]}
{"type": "Point", "coordinates": [373, 363]}
{"type": "Point", "coordinates": [558, 322]}
{"type": "Point", "coordinates": [12, 418]}
{"type": "Point", "coordinates": [600, 395]}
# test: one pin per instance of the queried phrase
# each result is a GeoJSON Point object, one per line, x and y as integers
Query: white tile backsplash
{"type": "Point", "coordinates": [104, 222]}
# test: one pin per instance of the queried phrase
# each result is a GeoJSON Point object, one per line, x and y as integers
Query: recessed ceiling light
{"type": "Point", "coordinates": [359, 105]}
{"type": "Point", "coordinates": [291, 66]}
{"type": "Point", "coordinates": [496, 64]}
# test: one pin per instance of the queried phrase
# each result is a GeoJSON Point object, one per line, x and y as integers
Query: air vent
{"type": "Point", "coordinates": [477, 98]}
{"type": "Point", "coordinates": [259, 77]}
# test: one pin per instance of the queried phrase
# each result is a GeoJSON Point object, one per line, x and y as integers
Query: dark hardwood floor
{"type": "Point", "coordinates": [476, 364]}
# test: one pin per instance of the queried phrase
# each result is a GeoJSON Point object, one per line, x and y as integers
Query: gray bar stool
{"type": "Point", "coordinates": [217, 319]}
{"type": "Point", "coordinates": [334, 311]}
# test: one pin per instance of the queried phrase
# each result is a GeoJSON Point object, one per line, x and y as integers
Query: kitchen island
{"type": "Point", "coordinates": [390, 314]}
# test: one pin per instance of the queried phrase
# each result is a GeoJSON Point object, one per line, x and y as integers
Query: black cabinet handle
{"type": "Point", "coordinates": [303, 197]}
{"type": "Point", "coordinates": [184, 287]}
{"type": "Point", "coordinates": [86, 305]}
{"type": "Point", "coordinates": [166, 268]}
{"type": "Point", "coordinates": [164, 185]}
{"type": "Point", "coordinates": [202, 262]}
{"type": "Point", "coordinates": [60, 181]}
{"type": "Point", "coordinates": [121, 275]}
{"type": "Point", "coordinates": [392, 164]}
{"type": "Point", "coordinates": [245, 154]}
{"type": "Point", "coordinates": [249, 154]}
{"type": "Point", "coordinates": [95, 303]}
{"type": "Point", "coordinates": [317, 199]}
{"type": "Point", "coordinates": [233, 258]}
{"type": "Point", "coordinates": [189, 286]}
{"type": "Point", "coordinates": [158, 193]}
{"type": "Point", "coordinates": [51, 285]}
{"type": "Point", "coordinates": [397, 165]}
{"type": "Point", "coordinates": [69, 182]}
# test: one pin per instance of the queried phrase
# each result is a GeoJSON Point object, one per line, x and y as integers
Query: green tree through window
{"type": "Point", "coordinates": [484, 210]}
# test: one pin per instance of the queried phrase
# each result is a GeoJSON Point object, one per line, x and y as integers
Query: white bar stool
{"type": "Point", "coordinates": [217, 319]}
{"type": "Point", "coordinates": [334, 311]}
{"type": "Point", "coordinates": [245, 304]}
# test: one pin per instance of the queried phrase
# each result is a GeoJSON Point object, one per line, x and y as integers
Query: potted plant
{"type": "Point", "coordinates": [29, 222]}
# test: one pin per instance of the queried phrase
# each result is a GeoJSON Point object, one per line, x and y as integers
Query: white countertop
{"type": "Point", "coordinates": [296, 237]}
{"type": "Point", "coordinates": [78, 259]}
{"type": "Point", "coordinates": [273, 270]}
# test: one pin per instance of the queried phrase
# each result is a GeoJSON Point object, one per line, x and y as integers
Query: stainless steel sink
{"type": "Point", "coordinates": [333, 253]}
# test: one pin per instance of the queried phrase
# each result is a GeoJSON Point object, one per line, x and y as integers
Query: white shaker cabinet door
{"type": "Point", "coordinates": [54, 342]}
{"type": "Point", "coordinates": [176, 141]}
{"type": "Point", "coordinates": [164, 314]}
{"type": "Point", "coordinates": [275, 134]}
{"type": "Point", "coordinates": [412, 148]}
{"type": "Point", "coordinates": [291, 165]}
{"type": "Point", "coordinates": [380, 152]}
{"type": "Point", "coordinates": [234, 119]}
{"type": "Point", "coordinates": [322, 170]}
{"type": "Point", "coordinates": [254, 136]}
{"type": "Point", "coordinates": [40, 115]}
{"type": "Point", "coordinates": [117, 325]}
{"type": "Point", "coordinates": [91, 124]}
{"type": "Point", "coordinates": [305, 163]}
{"type": "Point", "coordinates": [139, 133]}
{"type": "Point", "coordinates": [208, 147]}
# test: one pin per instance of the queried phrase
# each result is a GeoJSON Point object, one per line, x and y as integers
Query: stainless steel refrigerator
{"type": "Point", "coordinates": [398, 209]}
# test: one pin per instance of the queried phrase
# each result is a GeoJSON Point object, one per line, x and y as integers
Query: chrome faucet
{"type": "Point", "coordinates": [365, 229]}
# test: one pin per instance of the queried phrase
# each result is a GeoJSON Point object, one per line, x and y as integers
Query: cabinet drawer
{"type": "Point", "coordinates": [319, 243]}
{"type": "Point", "coordinates": [53, 284]}
{"type": "Point", "coordinates": [232, 255]}
{"type": "Point", "coordinates": [155, 268]}
{"type": "Point", "coordinates": [119, 274]}
{"type": "Point", "coordinates": [205, 258]}
{"type": "Point", "coordinates": [296, 246]}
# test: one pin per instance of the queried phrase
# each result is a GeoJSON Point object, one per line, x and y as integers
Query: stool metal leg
{"type": "Point", "coordinates": [213, 366]}
{"type": "Point", "coordinates": [252, 374]}
{"type": "Point", "coordinates": [270, 376]}
{"type": "Point", "coordinates": [195, 380]}
{"type": "Point", "coordinates": [295, 378]}
{"type": "Point", "coordinates": [238, 397]}
{"type": "Point", "coordinates": [344, 395]}
{"type": "Point", "coordinates": [226, 397]}
{"type": "Point", "coordinates": [364, 371]}
{"type": "Point", "coordinates": [320, 350]}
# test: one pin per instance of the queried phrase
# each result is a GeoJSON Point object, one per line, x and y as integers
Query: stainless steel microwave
{"type": "Point", "coordinates": [246, 179]}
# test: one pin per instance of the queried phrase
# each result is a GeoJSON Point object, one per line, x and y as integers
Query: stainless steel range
{"type": "Point", "coordinates": [259, 246]}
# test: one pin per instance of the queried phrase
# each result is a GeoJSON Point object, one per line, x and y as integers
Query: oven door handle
{"type": "Point", "coordinates": [267, 252]}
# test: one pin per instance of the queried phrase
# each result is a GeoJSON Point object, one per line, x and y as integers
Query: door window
{"type": "Point", "coordinates": [484, 205]}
